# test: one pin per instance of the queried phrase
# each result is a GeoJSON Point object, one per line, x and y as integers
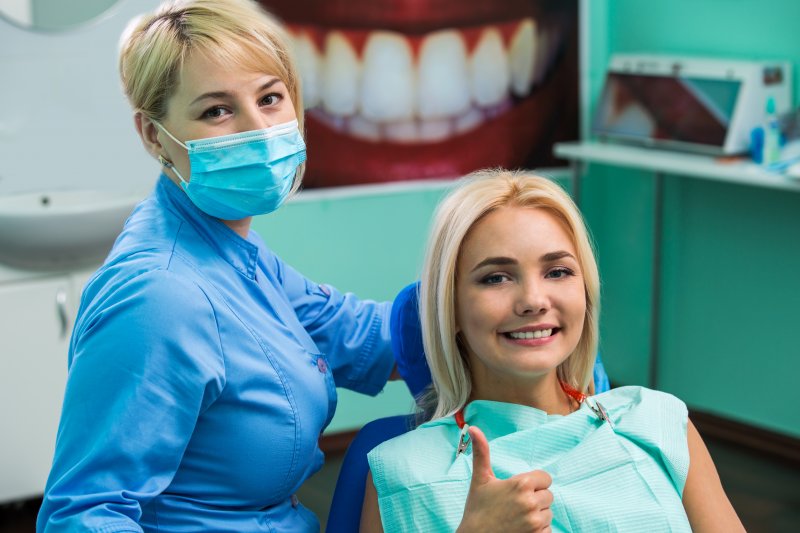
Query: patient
{"type": "Point", "coordinates": [509, 306]}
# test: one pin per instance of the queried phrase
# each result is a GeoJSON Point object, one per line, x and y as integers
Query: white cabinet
{"type": "Point", "coordinates": [36, 319]}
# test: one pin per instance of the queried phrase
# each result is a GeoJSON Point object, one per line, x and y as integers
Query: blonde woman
{"type": "Point", "coordinates": [202, 368]}
{"type": "Point", "coordinates": [509, 306]}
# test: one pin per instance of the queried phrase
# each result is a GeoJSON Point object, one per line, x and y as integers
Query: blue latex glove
{"type": "Point", "coordinates": [406, 334]}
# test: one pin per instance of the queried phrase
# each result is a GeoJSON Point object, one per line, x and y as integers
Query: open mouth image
{"type": "Point", "coordinates": [428, 89]}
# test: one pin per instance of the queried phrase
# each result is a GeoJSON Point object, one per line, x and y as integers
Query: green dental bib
{"type": "Point", "coordinates": [624, 476]}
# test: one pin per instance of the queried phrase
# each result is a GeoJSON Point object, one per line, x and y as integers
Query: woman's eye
{"type": "Point", "coordinates": [558, 273]}
{"type": "Point", "coordinates": [214, 112]}
{"type": "Point", "coordinates": [494, 279]}
{"type": "Point", "coordinates": [271, 99]}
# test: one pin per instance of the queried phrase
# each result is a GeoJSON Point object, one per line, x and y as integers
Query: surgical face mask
{"type": "Point", "coordinates": [243, 174]}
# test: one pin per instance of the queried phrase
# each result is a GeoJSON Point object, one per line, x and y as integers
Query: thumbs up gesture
{"type": "Point", "coordinates": [518, 504]}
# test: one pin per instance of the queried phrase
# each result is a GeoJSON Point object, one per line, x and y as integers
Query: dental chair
{"type": "Point", "coordinates": [348, 496]}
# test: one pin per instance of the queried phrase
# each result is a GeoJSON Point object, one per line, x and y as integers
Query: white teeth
{"type": "Point", "coordinates": [468, 120]}
{"type": "Point", "coordinates": [443, 88]}
{"type": "Point", "coordinates": [538, 334]}
{"type": "Point", "coordinates": [490, 74]}
{"type": "Point", "coordinates": [341, 76]}
{"type": "Point", "coordinates": [401, 131]}
{"type": "Point", "coordinates": [389, 78]}
{"type": "Point", "coordinates": [363, 128]}
{"type": "Point", "coordinates": [434, 130]}
{"type": "Point", "coordinates": [522, 55]}
{"type": "Point", "coordinates": [308, 65]}
{"type": "Point", "coordinates": [381, 93]}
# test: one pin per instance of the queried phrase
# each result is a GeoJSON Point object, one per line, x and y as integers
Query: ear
{"type": "Point", "coordinates": [148, 133]}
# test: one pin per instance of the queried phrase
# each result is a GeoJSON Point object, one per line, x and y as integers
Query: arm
{"type": "Point", "coordinates": [144, 364]}
{"type": "Point", "coordinates": [370, 513]}
{"type": "Point", "coordinates": [704, 499]}
{"type": "Point", "coordinates": [352, 333]}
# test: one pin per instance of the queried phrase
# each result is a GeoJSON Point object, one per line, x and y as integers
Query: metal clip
{"type": "Point", "coordinates": [463, 440]}
{"type": "Point", "coordinates": [600, 411]}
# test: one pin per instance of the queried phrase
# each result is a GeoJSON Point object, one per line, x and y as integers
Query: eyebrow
{"type": "Point", "coordinates": [503, 261]}
{"type": "Point", "coordinates": [225, 94]}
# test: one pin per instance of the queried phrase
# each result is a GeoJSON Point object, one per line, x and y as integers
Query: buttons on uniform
{"type": "Point", "coordinates": [295, 501]}
{"type": "Point", "coordinates": [322, 365]}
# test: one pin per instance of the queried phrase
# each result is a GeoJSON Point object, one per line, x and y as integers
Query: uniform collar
{"type": "Point", "coordinates": [241, 254]}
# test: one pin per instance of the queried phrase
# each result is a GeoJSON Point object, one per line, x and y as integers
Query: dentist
{"type": "Point", "coordinates": [202, 368]}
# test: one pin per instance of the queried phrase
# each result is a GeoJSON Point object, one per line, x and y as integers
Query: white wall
{"type": "Point", "coordinates": [65, 123]}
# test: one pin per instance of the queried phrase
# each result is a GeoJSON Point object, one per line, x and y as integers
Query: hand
{"type": "Point", "coordinates": [518, 504]}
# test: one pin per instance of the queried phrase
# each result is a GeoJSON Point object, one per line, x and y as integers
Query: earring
{"type": "Point", "coordinates": [164, 162]}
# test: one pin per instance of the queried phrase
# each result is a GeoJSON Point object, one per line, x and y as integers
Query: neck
{"type": "Point", "coordinates": [240, 227]}
{"type": "Point", "coordinates": [541, 392]}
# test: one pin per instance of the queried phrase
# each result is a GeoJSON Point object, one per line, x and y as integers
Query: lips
{"type": "Point", "coordinates": [410, 89]}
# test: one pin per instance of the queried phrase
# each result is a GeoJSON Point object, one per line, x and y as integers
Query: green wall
{"type": "Point", "coordinates": [730, 292]}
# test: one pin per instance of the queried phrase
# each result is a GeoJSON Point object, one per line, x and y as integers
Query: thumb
{"type": "Point", "coordinates": [481, 461]}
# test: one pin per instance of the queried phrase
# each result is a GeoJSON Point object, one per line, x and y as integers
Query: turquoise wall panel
{"type": "Point", "coordinates": [617, 205]}
{"type": "Point", "coordinates": [729, 299]}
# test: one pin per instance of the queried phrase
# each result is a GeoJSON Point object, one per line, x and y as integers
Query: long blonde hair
{"type": "Point", "coordinates": [473, 198]}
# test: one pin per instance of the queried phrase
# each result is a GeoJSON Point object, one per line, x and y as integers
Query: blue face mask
{"type": "Point", "coordinates": [243, 174]}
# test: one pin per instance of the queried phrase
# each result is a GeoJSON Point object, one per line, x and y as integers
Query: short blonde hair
{"type": "Point", "coordinates": [154, 48]}
{"type": "Point", "coordinates": [473, 198]}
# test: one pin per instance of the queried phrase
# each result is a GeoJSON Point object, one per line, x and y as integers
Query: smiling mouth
{"type": "Point", "coordinates": [421, 89]}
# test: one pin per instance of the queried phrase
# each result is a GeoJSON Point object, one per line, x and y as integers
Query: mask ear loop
{"type": "Point", "coordinates": [166, 163]}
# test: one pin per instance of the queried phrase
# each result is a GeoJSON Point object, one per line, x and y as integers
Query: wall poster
{"type": "Point", "coordinates": [399, 90]}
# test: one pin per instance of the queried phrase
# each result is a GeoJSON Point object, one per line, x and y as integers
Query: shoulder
{"type": "Point", "coordinates": [144, 306]}
{"type": "Point", "coordinates": [417, 457]}
{"type": "Point", "coordinates": [656, 421]}
{"type": "Point", "coordinates": [634, 398]}
{"type": "Point", "coordinates": [146, 279]}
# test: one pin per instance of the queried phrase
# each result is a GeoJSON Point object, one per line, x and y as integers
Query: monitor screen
{"type": "Point", "coordinates": [666, 108]}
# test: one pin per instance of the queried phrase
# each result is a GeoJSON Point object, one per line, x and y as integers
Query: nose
{"type": "Point", "coordinates": [252, 118]}
{"type": "Point", "coordinates": [532, 299]}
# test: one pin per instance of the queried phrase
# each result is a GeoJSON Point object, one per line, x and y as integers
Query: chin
{"type": "Point", "coordinates": [432, 89]}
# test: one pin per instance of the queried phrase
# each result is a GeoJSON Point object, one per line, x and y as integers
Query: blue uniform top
{"type": "Point", "coordinates": [202, 370]}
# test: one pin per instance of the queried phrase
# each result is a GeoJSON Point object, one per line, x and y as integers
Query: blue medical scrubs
{"type": "Point", "coordinates": [202, 370]}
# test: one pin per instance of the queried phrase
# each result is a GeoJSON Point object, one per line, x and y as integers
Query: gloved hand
{"type": "Point", "coordinates": [406, 331]}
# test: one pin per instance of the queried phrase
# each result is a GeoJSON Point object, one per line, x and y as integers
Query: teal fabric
{"type": "Point", "coordinates": [625, 477]}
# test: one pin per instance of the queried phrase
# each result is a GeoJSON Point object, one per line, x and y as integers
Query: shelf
{"type": "Point", "coordinates": [676, 163]}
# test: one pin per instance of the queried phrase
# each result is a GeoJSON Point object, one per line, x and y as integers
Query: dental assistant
{"type": "Point", "coordinates": [202, 368]}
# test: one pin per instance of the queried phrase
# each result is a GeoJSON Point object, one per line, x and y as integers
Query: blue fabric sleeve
{"type": "Point", "coordinates": [352, 333]}
{"type": "Point", "coordinates": [146, 360]}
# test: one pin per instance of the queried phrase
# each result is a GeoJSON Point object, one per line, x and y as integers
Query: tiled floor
{"type": "Point", "coordinates": [764, 491]}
